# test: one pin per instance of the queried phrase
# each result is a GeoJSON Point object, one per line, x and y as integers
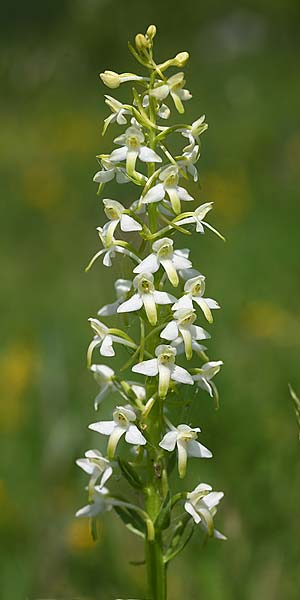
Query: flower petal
{"type": "Point", "coordinates": [134, 303]}
{"type": "Point", "coordinates": [169, 441]}
{"type": "Point", "coordinates": [106, 348]}
{"type": "Point", "coordinates": [170, 332]}
{"type": "Point", "coordinates": [150, 264]}
{"type": "Point", "coordinates": [163, 297]}
{"type": "Point", "coordinates": [147, 155]}
{"type": "Point", "coordinates": [197, 450]}
{"type": "Point", "coordinates": [181, 375]}
{"type": "Point", "coordinates": [155, 194]}
{"type": "Point", "coordinates": [104, 427]}
{"type": "Point", "coordinates": [147, 367]}
{"type": "Point", "coordinates": [129, 224]}
{"type": "Point", "coordinates": [134, 436]}
{"type": "Point", "coordinates": [119, 154]}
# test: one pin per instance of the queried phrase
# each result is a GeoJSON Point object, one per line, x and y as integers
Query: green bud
{"type": "Point", "coordinates": [181, 59]}
{"type": "Point", "coordinates": [141, 42]}
{"type": "Point", "coordinates": [111, 79]}
{"type": "Point", "coordinates": [151, 32]}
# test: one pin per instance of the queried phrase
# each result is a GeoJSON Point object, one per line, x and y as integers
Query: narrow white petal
{"type": "Point", "coordinates": [212, 303]}
{"type": "Point", "coordinates": [183, 194]}
{"type": "Point", "coordinates": [180, 262]}
{"type": "Point", "coordinates": [190, 509]}
{"type": "Point", "coordinates": [86, 465]}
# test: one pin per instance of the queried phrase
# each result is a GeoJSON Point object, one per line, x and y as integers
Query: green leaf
{"type": "Point", "coordinates": [131, 520]}
{"type": "Point", "coordinates": [130, 474]}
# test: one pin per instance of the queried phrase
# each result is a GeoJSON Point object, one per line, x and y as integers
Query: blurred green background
{"type": "Point", "coordinates": [244, 74]}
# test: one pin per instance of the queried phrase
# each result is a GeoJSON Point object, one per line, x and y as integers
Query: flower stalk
{"type": "Point", "coordinates": [164, 302]}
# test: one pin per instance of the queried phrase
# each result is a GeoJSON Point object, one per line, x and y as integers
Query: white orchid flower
{"type": "Point", "coordinates": [104, 376]}
{"type": "Point", "coordinates": [146, 295]}
{"type": "Point", "coordinates": [194, 131]}
{"type": "Point", "coordinates": [133, 148]}
{"type": "Point", "coordinates": [206, 373]}
{"type": "Point", "coordinates": [113, 80]}
{"type": "Point", "coordinates": [187, 161]}
{"type": "Point", "coordinates": [111, 247]}
{"type": "Point", "coordinates": [194, 289]}
{"type": "Point", "coordinates": [109, 171]}
{"type": "Point", "coordinates": [197, 217]}
{"type": "Point", "coordinates": [122, 288]}
{"type": "Point", "coordinates": [202, 504]}
{"type": "Point", "coordinates": [163, 111]}
{"type": "Point", "coordinates": [105, 339]}
{"type": "Point", "coordinates": [185, 438]}
{"type": "Point", "coordinates": [95, 465]}
{"type": "Point", "coordinates": [174, 87]}
{"type": "Point", "coordinates": [117, 214]}
{"type": "Point", "coordinates": [122, 424]}
{"type": "Point", "coordinates": [118, 112]}
{"type": "Point", "coordinates": [164, 255]}
{"type": "Point", "coordinates": [183, 326]}
{"type": "Point", "coordinates": [164, 366]}
{"type": "Point", "coordinates": [102, 502]}
{"type": "Point", "coordinates": [169, 178]}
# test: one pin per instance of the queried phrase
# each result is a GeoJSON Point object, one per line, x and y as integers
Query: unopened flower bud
{"type": "Point", "coordinates": [111, 79]}
{"type": "Point", "coordinates": [181, 59]}
{"type": "Point", "coordinates": [141, 42]}
{"type": "Point", "coordinates": [151, 32]}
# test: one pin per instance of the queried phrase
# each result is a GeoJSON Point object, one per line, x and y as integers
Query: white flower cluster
{"type": "Point", "coordinates": [163, 293]}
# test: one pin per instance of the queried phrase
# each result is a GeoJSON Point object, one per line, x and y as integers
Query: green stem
{"type": "Point", "coordinates": [156, 570]}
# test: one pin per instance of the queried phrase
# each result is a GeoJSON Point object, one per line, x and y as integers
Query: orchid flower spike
{"type": "Point", "coordinates": [122, 424]}
{"type": "Point", "coordinates": [184, 437]}
{"type": "Point", "coordinates": [146, 295]}
{"type": "Point", "coordinates": [164, 366]}
{"type": "Point", "coordinates": [183, 326]}
{"type": "Point", "coordinates": [202, 504]}
{"type": "Point", "coordinates": [169, 178]}
{"type": "Point", "coordinates": [194, 289]}
{"type": "Point", "coordinates": [164, 255]}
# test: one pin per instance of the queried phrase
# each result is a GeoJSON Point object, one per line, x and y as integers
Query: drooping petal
{"type": "Point", "coordinates": [150, 307]}
{"type": "Point", "coordinates": [191, 510]}
{"type": "Point", "coordinates": [182, 458]}
{"type": "Point", "coordinates": [104, 176]}
{"type": "Point", "coordinates": [134, 303]}
{"type": "Point", "coordinates": [212, 303]}
{"type": "Point", "coordinates": [180, 262]}
{"type": "Point", "coordinates": [134, 436]}
{"type": "Point", "coordinates": [164, 373]}
{"type": "Point", "coordinates": [170, 269]}
{"type": "Point", "coordinates": [187, 340]}
{"type": "Point", "coordinates": [205, 309]}
{"type": "Point", "coordinates": [147, 367]}
{"type": "Point", "coordinates": [184, 195]}
{"type": "Point", "coordinates": [113, 441]}
{"type": "Point", "coordinates": [129, 224]}
{"type": "Point", "coordinates": [199, 333]}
